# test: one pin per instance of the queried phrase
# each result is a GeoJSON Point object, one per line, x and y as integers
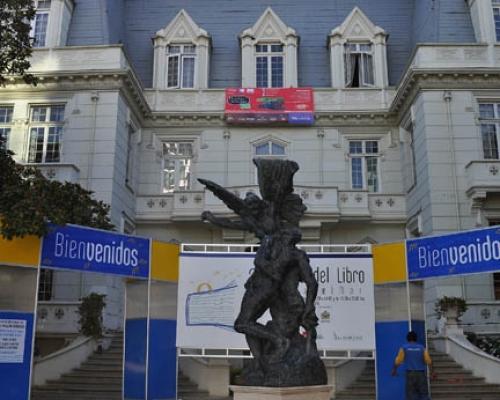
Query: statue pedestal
{"type": "Point", "coordinates": [320, 392]}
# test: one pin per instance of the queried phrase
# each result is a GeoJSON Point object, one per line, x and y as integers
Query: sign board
{"type": "Point", "coordinates": [251, 106]}
{"type": "Point", "coordinates": [12, 336]}
{"type": "Point", "coordinates": [211, 287]}
{"type": "Point", "coordinates": [461, 253]}
{"type": "Point", "coordinates": [92, 250]}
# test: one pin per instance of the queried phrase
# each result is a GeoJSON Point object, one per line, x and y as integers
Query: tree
{"type": "Point", "coordinates": [15, 41]}
{"type": "Point", "coordinates": [28, 201]}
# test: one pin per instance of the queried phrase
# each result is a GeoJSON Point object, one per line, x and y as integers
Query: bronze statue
{"type": "Point", "coordinates": [282, 355]}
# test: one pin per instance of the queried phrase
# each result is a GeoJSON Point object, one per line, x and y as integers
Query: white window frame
{"type": "Point", "coordinates": [181, 31]}
{"type": "Point", "coordinates": [45, 126]}
{"type": "Point", "coordinates": [177, 159]}
{"type": "Point", "coordinates": [46, 285]}
{"type": "Point", "coordinates": [407, 136]}
{"type": "Point", "coordinates": [495, 121]}
{"type": "Point", "coordinates": [181, 56]}
{"type": "Point", "coordinates": [6, 124]}
{"type": "Point", "coordinates": [363, 56]}
{"type": "Point", "coordinates": [270, 143]}
{"type": "Point", "coordinates": [269, 29]}
{"type": "Point", "coordinates": [40, 11]}
{"type": "Point", "coordinates": [269, 54]}
{"type": "Point", "coordinates": [496, 22]}
{"type": "Point", "coordinates": [364, 155]}
{"type": "Point", "coordinates": [130, 167]}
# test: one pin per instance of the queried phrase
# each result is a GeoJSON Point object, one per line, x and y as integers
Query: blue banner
{"type": "Point", "coordinates": [91, 250]}
{"type": "Point", "coordinates": [16, 331]}
{"type": "Point", "coordinates": [456, 254]}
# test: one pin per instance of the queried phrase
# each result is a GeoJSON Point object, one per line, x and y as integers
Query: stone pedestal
{"type": "Point", "coordinates": [321, 392]}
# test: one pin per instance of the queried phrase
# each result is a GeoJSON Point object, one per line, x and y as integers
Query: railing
{"type": "Point", "coordinates": [78, 59]}
{"type": "Point", "coordinates": [60, 317]}
{"type": "Point", "coordinates": [482, 175]}
{"type": "Point", "coordinates": [59, 172]}
{"type": "Point", "coordinates": [319, 200]}
{"type": "Point", "coordinates": [469, 356]}
{"type": "Point", "coordinates": [63, 361]}
{"type": "Point", "coordinates": [455, 56]}
{"type": "Point", "coordinates": [362, 204]}
{"type": "Point", "coordinates": [252, 248]}
{"type": "Point", "coordinates": [325, 100]}
{"type": "Point", "coordinates": [482, 317]}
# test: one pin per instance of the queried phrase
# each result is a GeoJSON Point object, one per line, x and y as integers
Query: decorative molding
{"type": "Point", "coordinates": [269, 28]}
{"type": "Point", "coordinates": [416, 80]}
{"type": "Point", "coordinates": [123, 80]}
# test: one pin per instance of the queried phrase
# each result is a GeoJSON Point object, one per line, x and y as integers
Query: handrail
{"type": "Point", "coordinates": [78, 342]}
{"type": "Point", "coordinates": [245, 248]}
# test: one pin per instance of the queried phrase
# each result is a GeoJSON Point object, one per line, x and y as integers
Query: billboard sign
{"type": "Point", "coordinates": [251, 106]}
{"type": "Point", "coordinates": [455, 254]}
{"type": "Point", "coordinates": [211, 287]}
{"type": "Point", "coordinates": [91, 250]}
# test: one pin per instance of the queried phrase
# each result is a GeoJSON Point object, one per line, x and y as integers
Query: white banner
{"type": "Point", "coordinates": [211, 287]}
{"type": "Point", "coordinates": [12, 335]}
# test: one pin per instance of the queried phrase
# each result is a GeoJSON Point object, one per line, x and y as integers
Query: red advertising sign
{"type": "Point", "coordinates": [269, 105]}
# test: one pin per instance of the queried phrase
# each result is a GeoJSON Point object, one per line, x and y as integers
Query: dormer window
{"type": "Point", "coordinates": [181, 55]}
{"type": "Point", "coordinates": [496, 17]}
{"type": "Point", "coordinates": [269, 53]}
{"type": "Point", "coordinates": [49, 27]}
{"type": "Point", "coordinates": [180, 66]}
{"type": "Point", "coordinates": [485, 16]}
{"type": "Point", "coordinates": [358, 61]}
{"type": "Point", "coordinates": [269, 65]}
{"type": "Point", "coordinates": [358, 53]}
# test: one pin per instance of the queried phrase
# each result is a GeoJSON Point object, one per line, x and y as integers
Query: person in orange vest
{"type": "Point", "coordinates": [416, 359]}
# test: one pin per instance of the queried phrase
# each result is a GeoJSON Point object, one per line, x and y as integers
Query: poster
{"type": "Point", "coordinates": [12, 337]}
{"type": "Point", "coordinates": [211, 287]}
{"type": "Point", "coordinates": [253, 106]}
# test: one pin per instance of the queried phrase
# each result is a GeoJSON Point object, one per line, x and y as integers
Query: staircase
{"type": "Point", "coordinates": [363, 388]}
{"type": "Point", "coordinates": [188, 390]}
{"type": "Point", "coordinates": [453, 382]}
{"type": "Point", "coordinates": [99, 378]}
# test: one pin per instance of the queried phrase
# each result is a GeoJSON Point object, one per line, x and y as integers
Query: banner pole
{"type": "Point", "coordinates": [407, 282]}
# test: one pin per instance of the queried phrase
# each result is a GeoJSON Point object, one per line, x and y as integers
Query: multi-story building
{"type": "Point", "coordinates": [131, 97]}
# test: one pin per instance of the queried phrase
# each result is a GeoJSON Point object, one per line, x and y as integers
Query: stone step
{"type": "Point", "coordinates": [56, 395]}
{"type": "Point", "coordinates": [102, 362]}
{"type": "Point", "coordinates": [108, 356]}
{"type": "Point", "coordinates": [92, 374]}
{"type": "Point", "coordinates": [100, 369]}
{"type": "Point", "coordinates": [95, 381]}
{"type": "Point", "coordinates": [58, 387]}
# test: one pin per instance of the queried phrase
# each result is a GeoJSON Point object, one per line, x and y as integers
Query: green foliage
{"type": "Point", "coordinates": [28, 201]}
{"type": "Point", "coordinates": [446, 303]}
{"type": "Point", "coordinates": [490, 345]}
{"type": "Point", "coordinates": [15, 41]}
{"type": "Point", "coordinates": [91, 315]}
